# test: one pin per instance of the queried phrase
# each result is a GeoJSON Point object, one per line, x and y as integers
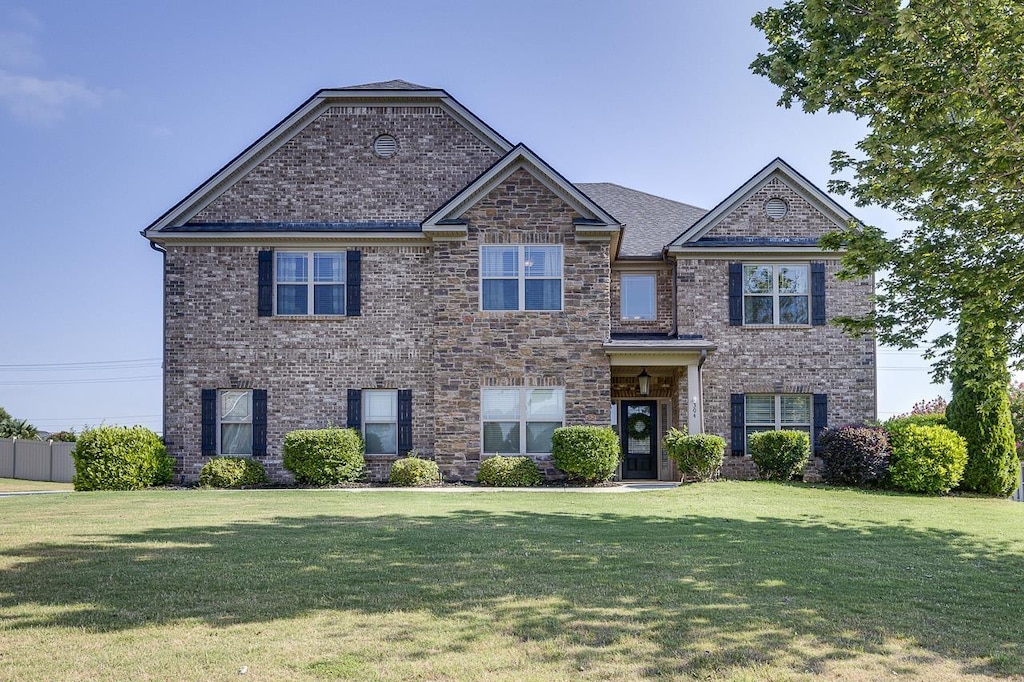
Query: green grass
{"type": "Point", "coordinates": [17, 485]}
{"type": "Point", "coordinates": [728, 580]}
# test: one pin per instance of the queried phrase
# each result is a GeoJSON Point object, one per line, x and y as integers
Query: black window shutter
{"type": "Point", "coordinates": [259, 422]}
{"type": "Point", "coordinates": [404, 422]}
{"type": "Point", "coordinates": [738, 425]}
{"type": "Point", "coordinates": [820, 416]}
{"type": "Point", "coordinates": [355, 409]}
{"type": "Point", "coordinates": [818, 293]}
{"type": "Point", "coordinates": [735, 294]}
{"type": "Point", "coordinates": [265, 289]}
{"type": "Point", "coordinates": [353, 279]}
{"type": "Point", "coordinates": [209, 417]}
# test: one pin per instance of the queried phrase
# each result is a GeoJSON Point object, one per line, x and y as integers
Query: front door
{"type": "Point", "coordinates": [639, 439]}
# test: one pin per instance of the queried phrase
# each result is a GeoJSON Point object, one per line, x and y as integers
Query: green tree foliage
{"type": "Point", "coordinates": [927, 459]}
{"type": "Point", "coordinates": [1017, 412]}
{"type": "Point", "coordinates": [980, 412]}
{"type": "Point", "coordinates": [18, 428]}
{"type": "Point", "coordinates": [939, 86]}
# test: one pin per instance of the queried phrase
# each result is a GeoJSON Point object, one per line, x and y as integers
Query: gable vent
{"type": "Point", "coordinates": [385, 146]}
{"type": "Point", "coordinates": [776, 208]}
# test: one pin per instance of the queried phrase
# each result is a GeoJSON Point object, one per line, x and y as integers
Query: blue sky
{"type": "Point", "coordinates": [110, 112]}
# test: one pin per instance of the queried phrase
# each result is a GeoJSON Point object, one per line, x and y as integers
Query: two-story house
{"type": "Point", "coordinates": [383, 259]}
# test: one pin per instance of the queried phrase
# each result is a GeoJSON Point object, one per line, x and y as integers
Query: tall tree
{"type": "Point", "coordinates": [940, 85]}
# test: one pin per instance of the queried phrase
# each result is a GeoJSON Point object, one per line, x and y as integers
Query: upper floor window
{"type": "Point", "coordinates": [310, 282]}
{"type": "Point", "coordinates": [776, 412]}
{"type": "Point", "coordinates": [521, 420]}
{"type": "Point", "coordinates": [638, 297]}
{"type": "Point", "coordinates": [527, 277]}
{"type": "Point", "coordinates": [776, 294]}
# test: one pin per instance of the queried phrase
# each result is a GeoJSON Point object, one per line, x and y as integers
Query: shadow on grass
{"type": "Point", "coordinates": [700, 593]}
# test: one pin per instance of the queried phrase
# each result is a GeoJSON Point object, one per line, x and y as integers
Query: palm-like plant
{"type": "Point", "coordinates": [18, 428]}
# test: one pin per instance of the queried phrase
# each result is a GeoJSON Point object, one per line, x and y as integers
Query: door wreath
{"type": "Point", "coordinates": [638, 426]}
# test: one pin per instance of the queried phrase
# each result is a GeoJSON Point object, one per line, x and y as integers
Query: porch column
{"type": "Point", "coordinates": [694, 400]}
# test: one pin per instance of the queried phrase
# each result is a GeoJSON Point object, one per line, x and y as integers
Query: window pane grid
{"type": "Point", "coordinates": [520, 420]}
{"type": "Point", "coordinates": [235, 415]}
{"type": "Point", "coordinates": [380, 422]}
{"type": "Point", "coordinates": [776, 294]}
{"type": "Point", "coordinates": [297, 293]}
{"type": "Point", "coordinates": [521, 277]}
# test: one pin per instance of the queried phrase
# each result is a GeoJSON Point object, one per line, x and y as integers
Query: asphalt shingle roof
{"type": "Point", "coordinates": [650, 222]}
{"type": "Point", "coordinates": [388, 85]}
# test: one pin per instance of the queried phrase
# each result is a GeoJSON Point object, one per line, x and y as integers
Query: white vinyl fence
{"type": "Point", "coordinates": [36, 460]}
{"type": "Point", "coordinates": [1019, 494]}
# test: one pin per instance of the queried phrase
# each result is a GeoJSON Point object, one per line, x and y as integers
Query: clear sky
{"type": "Point", "coordinates": [110, 112]}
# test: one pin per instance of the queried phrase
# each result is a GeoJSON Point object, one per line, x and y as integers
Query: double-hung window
{"type": "Point", "coordinates": [521, 420]}
{"type": "Point", "coordinates": [791, 412]}
{"type": "Point", "coordinates": [310, 282]}
{"type": "Point", "coordinates": [527, 277]}
{"type": "Point", "coordinates": [235, 417]}
{"type": "Point", "coordinates": [776, 294]}
{"type": "Point", "coordinates": [380, 421]}
{"type": "Point", "coordinates": [638, 297]}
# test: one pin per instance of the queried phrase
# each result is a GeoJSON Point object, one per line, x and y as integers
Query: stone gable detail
{"type": "Point", "coordinates": [328, 172]}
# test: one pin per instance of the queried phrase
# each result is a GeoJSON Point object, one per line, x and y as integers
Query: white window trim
{"type": "Point", "coordinates": [778, 424]}
{"type": "Point", "coordinates": [522, 417]}
{"type": "Point", "coordinates": [221, 421]}
{"type": "Point", "coordinates": [310, 283]}
{"type": "Point", "coordinates": [522, 276]}
{"type": "Point", "coordinates": [366, 420]}
{"type": "Point", "coordinates": [622, 296]}
{"type": "Point", "coordinates": [775, 294]}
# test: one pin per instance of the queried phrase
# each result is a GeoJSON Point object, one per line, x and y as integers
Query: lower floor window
{"type": "Point", "coordinates": [791, 412]}
{"type": "Point", "coordinates": [380, 422]}
{"type": "Point", "coordinates": [521, 420]}
{"type": "Point", "coordinates": [235, 414]}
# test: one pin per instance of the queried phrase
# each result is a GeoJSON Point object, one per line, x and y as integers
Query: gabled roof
{"type": "Point", "coordinates": [596, 223]}
{"type": "Point", "coordinates": [390, 91]}
{"type": "Point", "coordinates": [649, 222]}
{"type": "Point", "coordinates": [776, 169]}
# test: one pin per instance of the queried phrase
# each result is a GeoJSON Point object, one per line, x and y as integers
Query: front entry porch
{"type": "Point", "coordinates": [655, 387]}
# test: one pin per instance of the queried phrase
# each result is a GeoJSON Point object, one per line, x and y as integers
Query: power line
{"type": "Point", "coordinates": [62, 382]}
{"type": "Point", "coordinates": [89, 365]}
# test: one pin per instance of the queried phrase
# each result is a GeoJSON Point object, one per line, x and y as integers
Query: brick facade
{"type": "Point", "coordinates": [421, 325]}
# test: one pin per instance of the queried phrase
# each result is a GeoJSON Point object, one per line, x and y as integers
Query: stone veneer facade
{"type": "Point", "coordinates": [421, 325]}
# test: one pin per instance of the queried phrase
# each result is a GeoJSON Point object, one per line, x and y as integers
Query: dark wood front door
{"type": "Point", "coordinates": [639, 429]}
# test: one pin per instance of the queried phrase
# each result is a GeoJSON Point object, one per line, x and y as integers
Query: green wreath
{"type": "Point", "coordinates": [638, 425]}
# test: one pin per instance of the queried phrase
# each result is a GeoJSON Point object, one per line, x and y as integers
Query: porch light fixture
{"type": "Point", "coordinates": [645, 383]}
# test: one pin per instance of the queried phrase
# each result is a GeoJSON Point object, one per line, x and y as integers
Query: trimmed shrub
{"type": "Point", "coordinates": [232, 472]}
{"type": "Point", "coordinates": [927, 459]}
{"type": "Point", "coordinates": [509, 472]}
{"type": "Point", "coordinates": [854, 455]}
{"type": "Point", "coordinates": [120, 458]}
{"type": "Point", "coordinates": [586, 453]}
{"type": "Point", "coordinates": [414, 471]}
{"type": "Point", "coordinates": [324, 456]}
{"type": "Point", "coordinates": [699, 456]}
{"type": "Point", "coordinates": [897, 425]}
{"type": "Point", "coordinates": [779, 455]}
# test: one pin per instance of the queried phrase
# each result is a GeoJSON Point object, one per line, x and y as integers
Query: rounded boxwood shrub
{"type": "Point", "coordinates": [854, 455]}
{"type": "Point", "coordinates": [895, 426]}
{"type": "Point", "coordinates": [120, 458]}
{"type": "Point", "coordinates": [927, 459]}
{"type": "Point", "coordinates": [324, 456]}
{"type": "Point", "coordinates": [779, 455]}
{"type": "Point", "coordinates": [232, 472]}
{"type": "Point", "coordinates": [586, 453]}
{"type": "Point", "coordinates": [698, 456]}
{"type": "Point", "coordinates": [414, 471]}
{"type": "Point", "coordinates": [509, 472]}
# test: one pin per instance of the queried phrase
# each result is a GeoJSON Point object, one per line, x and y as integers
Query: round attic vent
{"type": "Point", "coordinates": [776, 208]}
{"type": "Point", "coordinates": [385, 146]}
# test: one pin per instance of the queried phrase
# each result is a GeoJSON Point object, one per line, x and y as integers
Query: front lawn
{"type": "Point", "coordinates": [17, 485]}
{"type": "Point", "coordinates": [716, 581]}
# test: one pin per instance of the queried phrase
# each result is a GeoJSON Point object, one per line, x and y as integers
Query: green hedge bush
{"type": "Point", "coordinates": [927, 459]}
{"type": "Point", "coordinates": [779, 455]}
{"type": "Point", "coordinates": [414, 471]}
{"type": "Point", "coordinates": [586, 453]}
{"type": "Point", "coordinates": [855, 455]}
{"type": "Point", "coordinates": [698, 456]}
{"type": "Point", "coordinates": [232, 472]}
{"type": "Point", "coordinates": [120, 458]}
{"type": "Point", "coordinates": [324, 456]}
{"type": "Point", "coordinates": [509, 472]}
{"type": "Point", "coordinates": [895, 426]}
